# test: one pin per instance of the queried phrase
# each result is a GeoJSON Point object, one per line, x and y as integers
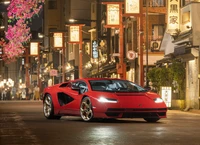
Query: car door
{"type": "Point", "coordinates": [74, 94]}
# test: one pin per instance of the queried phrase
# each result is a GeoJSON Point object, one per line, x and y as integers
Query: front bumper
{"type": "Point", "coordinates": [136, 112]}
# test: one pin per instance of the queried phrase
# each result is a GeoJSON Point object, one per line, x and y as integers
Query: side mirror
{"type": "Point", "coordinates": [75, 88]}
{"type": "Point", "coordinates": [147, 88]}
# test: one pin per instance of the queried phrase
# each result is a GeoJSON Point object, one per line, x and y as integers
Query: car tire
{"type": "Point", "coordinates": [48, 108]}
{"type": "Point", "coordinates": [152, 119]}
{"type": "Point", "coordinates": [86, 111]}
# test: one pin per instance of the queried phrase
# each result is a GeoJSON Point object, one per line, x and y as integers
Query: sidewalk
{"type": "Point", "coordinates": [12, 101]}
{"type": "Point", "coordinates": [194, 111]}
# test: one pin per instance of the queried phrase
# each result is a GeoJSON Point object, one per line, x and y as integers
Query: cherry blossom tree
{"type": "Point", "coordinates": [18, 33]}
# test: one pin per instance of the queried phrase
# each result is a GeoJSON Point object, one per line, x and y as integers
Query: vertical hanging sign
{"type": "Point", "coordinates": [113, 14]}
{"type": "Point", "coordinates": [132, 6]}
{"type": "Point", "coordinates": [173, 15]}
{"type": "Point", "coordinates": [74, 34]}
{"type": "Point", "coordinates": [34, 46]}
{"type": "Point", "coordinates": [95, 53]}
{"type": "Point", "coordinates": [58, 39]}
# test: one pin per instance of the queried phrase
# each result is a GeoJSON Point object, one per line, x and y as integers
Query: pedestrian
{"type": "Point", "coordinates": [3, 95]}
{"type": "Point", "coordinates": [27, 94]}
{"type": "Point", "coordinates": [23, 94]}
{"type": "Point", "coordinates": [30, 93]}
{"type": "Point", "coordinates": [36, 92]}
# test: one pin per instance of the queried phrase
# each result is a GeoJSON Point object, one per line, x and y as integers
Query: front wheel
{"type": "Point", "coordinates": [48, 108]}
{"type": "Point", "coordinates": [86, 111]}
{"type": "Point", "coordinates": [152, 119]}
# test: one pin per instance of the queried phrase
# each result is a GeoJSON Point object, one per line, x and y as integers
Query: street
{"type": "Point", "coordinates": [23, 123]}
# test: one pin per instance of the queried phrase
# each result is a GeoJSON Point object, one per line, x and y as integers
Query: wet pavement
{"type": "Point", "coordinates": [23, 123]}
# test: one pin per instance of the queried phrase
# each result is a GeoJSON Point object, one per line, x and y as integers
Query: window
{"type": "Point", "coordinates": [157, 31]}
{"type": "Point", "coordinates": [52, 4]}
{"type": "Point", "coordinates": [186, 17]}
{"type": "Point", "coordinates": [155, 3]}
{"type": "Point", "coordinates": [115, 86]}
{"type": "Point", "coordinates": [82, 86]}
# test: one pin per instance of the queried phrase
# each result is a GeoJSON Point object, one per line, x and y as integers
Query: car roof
{"type": "Point", "coordinates": [89, 79]}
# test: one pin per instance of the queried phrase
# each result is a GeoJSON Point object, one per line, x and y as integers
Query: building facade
{"type": "Point", "coordinates": [186, 48]}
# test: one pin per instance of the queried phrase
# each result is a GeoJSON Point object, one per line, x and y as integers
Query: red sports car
{"type": "Point", "coordinates": [102, 98]}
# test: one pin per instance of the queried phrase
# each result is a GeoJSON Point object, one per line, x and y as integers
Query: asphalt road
{"type": "Point", "coordinates": [23, 123]}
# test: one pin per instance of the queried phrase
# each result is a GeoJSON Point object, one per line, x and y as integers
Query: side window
{"type": "Point", "coordinates": [82, 85]}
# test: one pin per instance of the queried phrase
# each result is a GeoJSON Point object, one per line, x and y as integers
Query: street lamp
{"type": "Point", "coordinates": [115, 20]}
{"type": "Point", "coordinates": [58, 43]}
{"type": "Point", "coordinates": [34, 51]}
{"type": "Point", "coordinates": [83, 22]}
{"type": "Point", "coordinates": [134, 8]}
{"type": "Point", "coordinates": [76, 38]}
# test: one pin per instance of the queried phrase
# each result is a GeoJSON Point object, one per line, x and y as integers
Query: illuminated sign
{"type": "Point", "coordinates": [53, 72]}
{"type": "Point", "coordinates": [95, 53]}
{"type": "Point", "coordinates": [113, 14]}
{"type": "Point", "coordinates": [131, 55]}
{"type": "Point", "coordinates": [58, 40]}
{"type": "Point", "coordinates": [34, 48]}
{"type": "Point", "coordinates": [132, 6]}
{"type": "Point", "coordinates": [74, 34]}
{"type": "Point", "coordinates": [167, 95]}
{"type": "Point", "coordinates": [173, 15]}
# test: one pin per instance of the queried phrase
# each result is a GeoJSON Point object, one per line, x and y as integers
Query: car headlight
{"type": "Point", "coordinates": [158, 100]}
{"type": "Point", "coordinates": [107, 100]}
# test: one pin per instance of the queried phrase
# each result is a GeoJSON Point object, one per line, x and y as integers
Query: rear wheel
{"type": "Point", "coordinates": [151, 119]}
{"type": "Point", "coordinates": [86, 109]}
{"type": "Point", "coordinates": [48, 108]}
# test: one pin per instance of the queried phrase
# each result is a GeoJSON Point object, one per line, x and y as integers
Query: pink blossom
{"type": "Point", "coordinates": [19, 34]}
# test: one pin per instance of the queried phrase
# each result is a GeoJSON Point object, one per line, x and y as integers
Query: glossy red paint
{"type": "Point", "coordinates": [67, 100]}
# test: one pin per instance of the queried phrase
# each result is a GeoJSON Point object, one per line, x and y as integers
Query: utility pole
{"type": "Point", "coordinates": [147, 40]}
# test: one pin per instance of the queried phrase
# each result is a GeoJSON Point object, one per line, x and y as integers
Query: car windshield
{"type": "Point", "coordinates": [115, 86]}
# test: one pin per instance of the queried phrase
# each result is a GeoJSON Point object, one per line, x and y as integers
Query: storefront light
{"type": "Point", "coordinates": [20, 80]}
{"type": "Point", "coordinates": [72, 20]}
{"type": "Point", "coordinates": [2, 27]}
{"type": "Point", "coordinates": [6, 2]}
{"type": "Point", "coordinates": [88, 65]}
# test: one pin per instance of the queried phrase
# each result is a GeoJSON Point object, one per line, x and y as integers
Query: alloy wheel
{"type": "Point", "coordinates": [47, 106]}
{"type": "Point", "coordinates": [86, 109]}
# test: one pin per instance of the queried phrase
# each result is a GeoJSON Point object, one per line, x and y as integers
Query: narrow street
{"type": "Point", "coordinates": [22, 123]}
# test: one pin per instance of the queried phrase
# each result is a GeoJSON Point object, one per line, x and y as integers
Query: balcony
{"type": "Point", "coordinates": [155, 3]}
{"type": "Point", "coordinates": [155, 6]}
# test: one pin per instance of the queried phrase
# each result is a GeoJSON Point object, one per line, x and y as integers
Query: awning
{"type": "Point", "coordinates": [186, 53]}
{"type": "Point", "coordinates": [167, 59]}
